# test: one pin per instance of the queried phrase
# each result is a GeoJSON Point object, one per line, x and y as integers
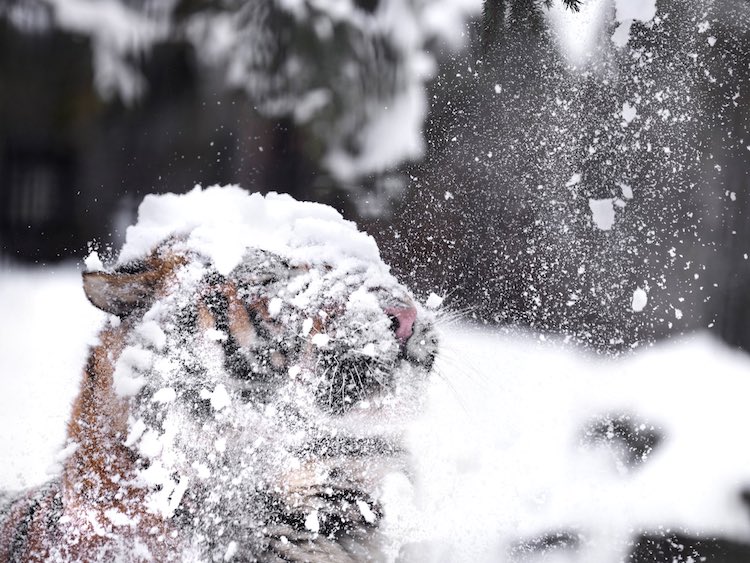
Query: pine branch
{"type": "Point", "coordinates": [573, 5]}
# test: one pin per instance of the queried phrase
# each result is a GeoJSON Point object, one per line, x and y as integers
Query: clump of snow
{"type": "Point", "coordinates": [603, 213]}
{"type": "Point", "coordinates": [274, 307]}
{"type": "Point", "coordinates": [219, 398]}
{"type": "Point", "coordinates": [312, 523]}
{"type": "Point", "coordinates": [128, 379]}
{"type": "Point", "coordinates": [366, 511]}
{"type": "Point", "coordinates": [221, 223]}
{"type": "Point", "coordinates": [640, 299]}
{"type": "Point", "coordinates": [118, 518]}
{"type": "Point", "coordinates": [152, 335]}
{"type": "Point", "coordinates": [165, 395]}
{"type": "Point", "coordinates": [434, 301]}
{"type": "Point", "coordinates": [93, 263]}
{"type": "Point", "coordinates": [321, 339]}
{"type": "Point", "coordinates": [627, 12]}
{"type": "Point", "coordinates": [627, 191]}
{"type": "Point", "coordinates": [629, 112]}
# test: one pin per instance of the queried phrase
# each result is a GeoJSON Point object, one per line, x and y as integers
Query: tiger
{"type": "Point", "coordinates": [248, 415]}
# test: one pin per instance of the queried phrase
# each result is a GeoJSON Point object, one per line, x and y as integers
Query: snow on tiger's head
{"type": "Point", "coordinates": [221, 223]}
{"type": "Point", "coordinates": [239, 307]}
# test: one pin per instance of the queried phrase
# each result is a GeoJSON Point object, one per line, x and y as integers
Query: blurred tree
{"type": "Point", "coordinates": [346, 79]}
{"type": "Point", "coordinates": [350, 76]}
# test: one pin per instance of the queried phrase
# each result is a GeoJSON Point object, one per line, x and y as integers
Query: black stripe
{"type": "Point", "coordinates": [19, 544]}
{"type": "Point", "coordinates": [21, 537]}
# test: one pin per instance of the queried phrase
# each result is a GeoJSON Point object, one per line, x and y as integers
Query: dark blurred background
{"type": "Point", "coordinates": [495, 211]}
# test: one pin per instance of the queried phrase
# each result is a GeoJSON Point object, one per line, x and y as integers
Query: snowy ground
{"type": "Point", "coordinates": [46, 324]}
{"type": "Point", "coordinates": [503, 454]}
{"type": "Point", "coordinates": [505, 457]}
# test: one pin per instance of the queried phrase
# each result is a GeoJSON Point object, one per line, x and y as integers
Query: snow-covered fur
{"type": "Point", "coordinates": [249, 415]}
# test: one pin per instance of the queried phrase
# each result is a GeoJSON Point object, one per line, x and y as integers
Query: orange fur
{"type": "Point", "coordinates": [95, 482]}
{"type": "Point", "coordinates": [79, 517]}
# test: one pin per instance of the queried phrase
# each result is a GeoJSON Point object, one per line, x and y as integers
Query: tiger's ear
{"type": "Point", "coordinates": [119, 293]}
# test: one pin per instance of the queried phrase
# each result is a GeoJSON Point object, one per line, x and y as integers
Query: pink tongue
{"type": "Point", "coordinates": [406, 317]}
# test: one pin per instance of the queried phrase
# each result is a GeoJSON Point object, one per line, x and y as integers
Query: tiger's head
{"type": "Point", "coordinates": [349, 336]}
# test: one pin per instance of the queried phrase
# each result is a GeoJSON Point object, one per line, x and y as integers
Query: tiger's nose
{"type": "Point", "coordinates": [403, 318]}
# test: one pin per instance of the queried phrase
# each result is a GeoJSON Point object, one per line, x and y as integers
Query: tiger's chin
{"type": "Point", "coordinates": [365, 383]}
